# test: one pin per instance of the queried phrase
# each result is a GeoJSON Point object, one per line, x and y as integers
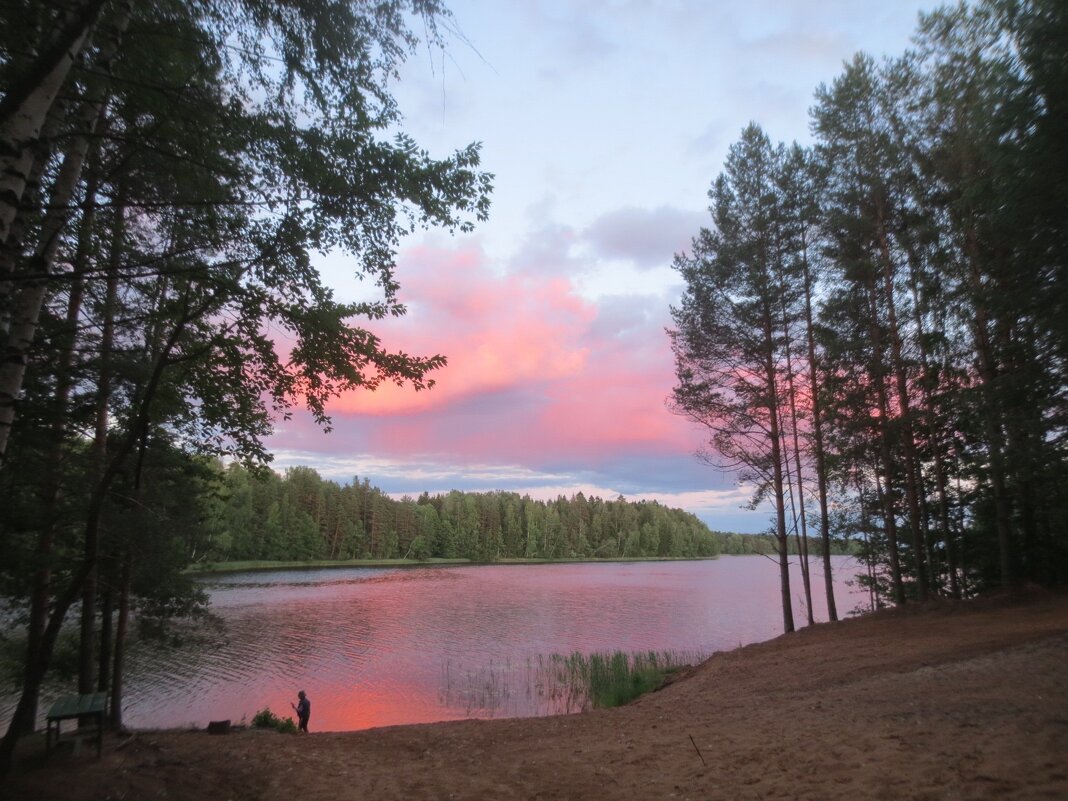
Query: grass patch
{"type": "Point", "coordinates": [608, 680]}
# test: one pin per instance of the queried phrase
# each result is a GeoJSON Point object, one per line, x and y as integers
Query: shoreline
{"type": "Point", "coordinates": [212, 568]}
{"type": "Point", "coordinates": [955, 699]}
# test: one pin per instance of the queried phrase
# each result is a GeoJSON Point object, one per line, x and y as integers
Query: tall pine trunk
{"type": "Point", "coordinates": [991, 418]}
{"type": "Point", "coordinates": [869, 562]}
{"type": "Point", "coordinates": [883, 435]}
{"type": "Point", "coordinates": [117, 675]}
{"type": "Point", "coordinates": [778, 488]}
{"type": "Point", "coordinates": [908, 443]}
{"type": "Point", "coordinates": [938, 456]}
{"type": "Point", "coordinates": [817, 438]}
{"type": "Point", "coordinates": [791, 391]}
{"type": "Point", "coordinates": [107, 608]}
{"type": "Point", "coordinates": [100, 441]}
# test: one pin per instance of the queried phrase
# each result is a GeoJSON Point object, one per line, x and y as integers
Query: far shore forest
{"type": "Point", "coordinates": [300, 516]}
{"type": "Point", "coordinates": [872, 335]}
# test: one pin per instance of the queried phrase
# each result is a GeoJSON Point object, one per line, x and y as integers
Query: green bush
{"type": "Point", "coordinates": [266, 719]}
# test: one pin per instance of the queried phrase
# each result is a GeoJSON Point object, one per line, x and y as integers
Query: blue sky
{"type": "Point", "coordinates": [605, 122]}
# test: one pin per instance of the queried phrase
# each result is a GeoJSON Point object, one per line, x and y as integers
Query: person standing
{"type": "Point", "coordinates": [303, 710]}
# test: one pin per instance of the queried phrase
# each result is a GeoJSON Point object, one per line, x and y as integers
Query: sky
{"type": "Point", "coordinates": [605, 123]}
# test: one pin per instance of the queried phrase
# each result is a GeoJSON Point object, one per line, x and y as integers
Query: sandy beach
{"type": "Point", "coordinates": [952, 701]}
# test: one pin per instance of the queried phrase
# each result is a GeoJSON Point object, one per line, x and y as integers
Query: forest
{"type": "Point", "coordinates": [873, 326]}
{"type": "Point", "coordinates": [252, 516]}
{"type": "Point", "coordinates": [300, 516]}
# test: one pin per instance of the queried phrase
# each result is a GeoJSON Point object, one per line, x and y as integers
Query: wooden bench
{"type": "Point", "coordinates": [77, 706]}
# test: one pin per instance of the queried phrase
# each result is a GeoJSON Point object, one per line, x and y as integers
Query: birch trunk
{"type": "Point", "coordinates": [26, 107]}
{"type": "Point", "coordinates": [41, 591]}
{"type": "Point", "coordinates": [29, 301]}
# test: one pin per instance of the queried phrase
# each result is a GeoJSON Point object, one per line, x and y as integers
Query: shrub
{"type": "Point", "coordinates": [266, 719]}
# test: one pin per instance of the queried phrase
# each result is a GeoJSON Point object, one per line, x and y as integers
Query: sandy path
{"type": "Point", "coordinates": [962, 701]}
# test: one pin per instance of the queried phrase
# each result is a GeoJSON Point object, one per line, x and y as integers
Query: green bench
{"type": "Point", "coordinates": [77, 706]}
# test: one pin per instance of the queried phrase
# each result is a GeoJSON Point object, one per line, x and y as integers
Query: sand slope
{"type": "Point", "coordinates": [956, 701]}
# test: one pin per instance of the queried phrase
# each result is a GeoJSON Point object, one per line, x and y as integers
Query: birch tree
{"type": "Point", "coordinates": [228, 168]}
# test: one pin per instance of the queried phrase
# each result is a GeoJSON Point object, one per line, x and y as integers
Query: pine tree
{"type": "Point", "coordinates": [728, 344]}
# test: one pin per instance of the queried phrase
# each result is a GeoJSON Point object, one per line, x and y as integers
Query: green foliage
{"type": "Point", "coordinates": [420, 548]}
{"type": "Point", "coordinates": [163, 294]}
{"type": "Point", "coordinates": [13, 658]}
{"type": "Point", "coordinates": [266, 719]}
{"type": "Point", "coordinates": [916, 252]}
{"type": "Point", "coordinates": [767, 545]}
{"type": "Point", "coordinates": [299, 516]}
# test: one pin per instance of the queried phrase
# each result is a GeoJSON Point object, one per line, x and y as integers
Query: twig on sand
{"type": "Point", "coordinates": [698, 750]}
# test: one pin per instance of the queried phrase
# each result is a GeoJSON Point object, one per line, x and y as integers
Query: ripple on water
{"type": "Point", "coordinates": [383, 646]}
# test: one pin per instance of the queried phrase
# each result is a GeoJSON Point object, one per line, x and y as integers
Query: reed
{"type": "Point", "coordinates": [608, 680]}
{"type": "Point", "coordinates": [558, 684]}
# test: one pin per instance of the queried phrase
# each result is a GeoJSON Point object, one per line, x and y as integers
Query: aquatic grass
{"type": "Point", "coordinates": [558, 684]}
{"type": "Point", "coordinates": [483, 692]}
{"type": "Point", "coordinates": [620, 678]}
{"type": "Point", "coordinates": [606, 680]}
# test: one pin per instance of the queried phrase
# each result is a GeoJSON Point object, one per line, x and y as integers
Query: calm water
{"type": "Point", "coordinates": [376, 647]}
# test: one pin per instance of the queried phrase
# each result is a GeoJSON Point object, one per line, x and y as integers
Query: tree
{"type": "Point", "coordinates": [797, 184]}
{"type": "Point", "coordinates": [222, 169]}
{"type": "Point", "coordinates": [728, 344]}
{"type": "Point", "coordinates": [860, 155]}
{"type": "Point", "coordinates": [985, 116]}
{"type": "Point", "coordinates": [918, 253]}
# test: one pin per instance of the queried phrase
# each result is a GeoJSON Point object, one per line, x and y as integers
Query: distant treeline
{"type": "Point", "coordinates": [299, 515]}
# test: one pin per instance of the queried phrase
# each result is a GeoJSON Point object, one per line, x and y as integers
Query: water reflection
{"type": "Point", "coordinates": [376, 647]}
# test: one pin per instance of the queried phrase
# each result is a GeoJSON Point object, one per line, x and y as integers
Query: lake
{"type": "Point", "coordinates": [378, 647]}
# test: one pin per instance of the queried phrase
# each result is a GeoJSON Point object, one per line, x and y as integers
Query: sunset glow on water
{"type": "Point", "coordinates": [379, 647]}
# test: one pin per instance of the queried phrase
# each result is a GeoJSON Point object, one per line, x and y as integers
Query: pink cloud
{"type": "Point", "coordinates": [620, 397]}
{"type": "Point", "coordinates": [497, 331]}
{"type": "Point", "coordinates": [535, 371]}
